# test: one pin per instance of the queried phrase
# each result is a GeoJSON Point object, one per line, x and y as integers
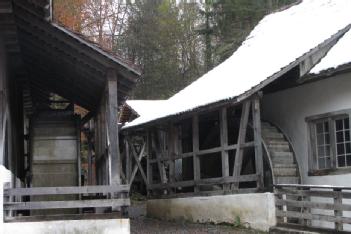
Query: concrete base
{"type": "Point", "coordinates": [92, 226]}
{"type": "Point", "coordinates": [256, 210]}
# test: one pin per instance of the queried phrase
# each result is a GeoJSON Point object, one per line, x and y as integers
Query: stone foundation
{"type": "Point", "coordinates": [256, 210]}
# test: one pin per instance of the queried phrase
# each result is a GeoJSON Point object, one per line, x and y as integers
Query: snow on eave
{"type": "Point", "coordinates": [337, 56]}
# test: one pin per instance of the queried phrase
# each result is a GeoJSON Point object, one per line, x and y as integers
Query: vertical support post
{"type": "Point", "coordinates": [256, 116]}
{"type": "Point", "coordinates": [196, 160]}
{"type": "Point", "coordinates": [307, 198]}
{"type": "Point", "coordinates": [128, 160]}
{"type": "Point", "coordinates": [112, 127]}
{"type": "Point", "coordinates": [90, 156]}
{"type": "Point", "coordinates": [241, 140]}
{"type": "Point", "coordinates": [338, 213]}
{"type": "Point", "coordinates": [148, 158]}
{"type": "Point", "coordinates": [172, 141]}
{"type": "Point", "coordinates": [2, 125]}
{"type": "Point", "coordinates": [224, 143]}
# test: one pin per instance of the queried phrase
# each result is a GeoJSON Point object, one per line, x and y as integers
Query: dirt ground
{"type": "Point", "coordinates": [141, 224]}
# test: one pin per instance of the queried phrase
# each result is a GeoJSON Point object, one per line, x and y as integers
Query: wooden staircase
{"type": "Point", "coordinates": [284, 167]}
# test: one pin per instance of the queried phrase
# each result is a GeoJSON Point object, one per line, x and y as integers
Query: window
{"type": "Point", "coordinates": [330, 142]}
{"type": "Point", "coordinates": [343, 145]}
{"type": "Point", "coordinates": [323, 145]}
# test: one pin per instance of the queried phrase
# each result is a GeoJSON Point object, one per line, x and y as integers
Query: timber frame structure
{"type": "Point", "coordinates": [175, 169]}
{"type": "Point", "coordinates": [40, 60]}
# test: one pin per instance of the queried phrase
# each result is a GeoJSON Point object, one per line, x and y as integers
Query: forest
{"type": "Point", "coordinates": [173, 42]}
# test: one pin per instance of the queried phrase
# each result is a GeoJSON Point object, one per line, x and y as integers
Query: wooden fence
{"type": "Point", "coordinates": [113, 196]}
{"type": "Point", "coordinates": [313, 205]}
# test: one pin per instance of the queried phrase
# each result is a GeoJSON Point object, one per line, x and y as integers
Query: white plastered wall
{"type": "Point", "coordinates": [288, 109]}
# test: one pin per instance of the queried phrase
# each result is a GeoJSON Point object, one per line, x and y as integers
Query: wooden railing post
{"type": "Point", "coordinates": [338, 212]}
{"type": "Point", "coordinates": [307, 211]}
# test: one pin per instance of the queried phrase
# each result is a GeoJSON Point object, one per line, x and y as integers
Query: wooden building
{"type": "Point", "coordinates": [45, 71]}
{"type": "Point", "coordinates": [263, 137]}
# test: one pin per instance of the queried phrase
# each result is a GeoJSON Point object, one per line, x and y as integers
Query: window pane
{"type": "Point", "coordinates": [327, 150]}
{"type": "Point", "coordinates": [320, 139]}
{"type": "Point", "coordinates": [339, 137]}
{"type": "Point", "coordinates": [348, 148]}
{"type": "Point", "coordinates": [348, 160]}
{"type": "Point", "coordinates": [341, 161]}
{"type": "Point", "coordinates": [319, 127]}
{"type": "Point", "coordinates": [321, 151]}
{"type": "Point", "coordinates": [326, 126]}
{"type": "Point", "coordinates": [328, 162]}
{"type": "Point", "coordinates": [347, 135]}
{"type": "Point", "coordinates": [340, 149]}
{"type": "Point", "coordinates": [338, 124]}
{"type": "Point", "coordinates": [346, 123]}
{"type": "Point", "coordinates": [321, 163]}
{"type": "Point", "coordinates": [327, 139]}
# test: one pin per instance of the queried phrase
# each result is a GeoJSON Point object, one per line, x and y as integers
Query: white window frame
{"type": "Point", "coordinates": [331, 117]}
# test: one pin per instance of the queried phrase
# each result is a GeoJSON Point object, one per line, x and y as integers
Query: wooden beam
{"type": "Point", "coordinates": [43, 205]}
{"type": "Point", "coordinates": [128, 160]}
{"type": "Point", "coordinates": [87, 117]}
{"type": "Point", "coordinates": [135, 169]}
{"type": "Point", "coordinates": [256, 116]}
{"type": "Point", "coordinates": [172, 150]}
{"type": "Point", "coordinates": [149, 154]}
{"type": "Point", "coordinates": [137, 161]}
{"type": "Point", "coordinates": [208, 181]}
{"type": "Point", "coordinates": [66, 190]}
{"type": "Point", "coordinates": [196, 159]}
{"type": "Point", "coordinates": [160, 153]}
{"type": "Point", "coordinates": [224, 143]}
{"type": "Point", "coordinates": [241, 139]}
{"type": "Point", "coordinates": [207, 151]}
{"type": "Point", "coordinates": [112, 127]}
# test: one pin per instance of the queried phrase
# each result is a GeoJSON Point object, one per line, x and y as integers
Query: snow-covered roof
{"type": "Point", "coordinates": [146, 107]}
{"type": "Point", "coordinates": [277, 41]}
{"type": "Point", "coordinates": [338, 55]}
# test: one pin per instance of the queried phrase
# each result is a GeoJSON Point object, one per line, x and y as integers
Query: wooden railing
{"type": "Point", "coordinates": [313, 205]}
{"type": "Point", "coordinates": [114, 196]}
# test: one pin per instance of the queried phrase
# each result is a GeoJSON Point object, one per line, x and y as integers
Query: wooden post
{"type": "Point", "coordinates": [172, 145]}
{"type": "Point", "coordinates": [241, 140]}
{"type": "Point", "coordinates": [196, 160]}
{"type": "Point", "coordinates": [148, 158]}
{"type": "Point", "coordinates": [338, 213]}
{"type": "Point", "coordinates": [112, 128]}
{"type": "Point", "coordinates": [157, 148]}
{"type": "Point", "coordinates": [224, 143]}
{"type": "Point", "coordinates": [128, 160]}
{"type": "Point", "coordinates": [256, 116]}
{"type": "Point", "coordinates": [90, 158]}
{"type": "Point", "coordinates": [2, 125]}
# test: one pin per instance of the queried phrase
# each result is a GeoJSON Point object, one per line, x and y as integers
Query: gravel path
{"type": "Point", "coordinates": [141, 224]}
